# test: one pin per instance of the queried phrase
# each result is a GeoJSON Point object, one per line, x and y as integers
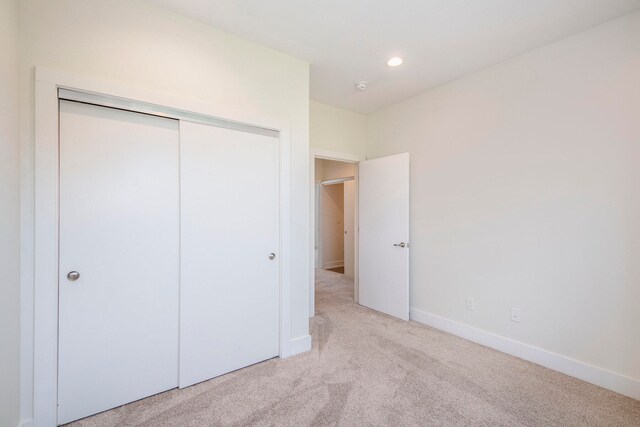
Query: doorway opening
{"type": "Point", "coordinates": [380, 230]}
{"type": "Point", "coordinates": [331, 227]}
{"type": "Point", "coordinates": [335, 222]}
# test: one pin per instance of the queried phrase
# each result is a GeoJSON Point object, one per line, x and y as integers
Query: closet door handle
{"type": "Point", "coordinates": [272, 256]}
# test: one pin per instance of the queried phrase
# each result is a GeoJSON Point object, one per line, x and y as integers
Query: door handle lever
{"type": "Point", "coordinates": [401, 244]}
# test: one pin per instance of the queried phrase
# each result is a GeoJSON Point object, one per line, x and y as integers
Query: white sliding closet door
{"type": "Point", "coordinates": [230, 293]}
{"type": "Point", "coordinates": [119, 230]}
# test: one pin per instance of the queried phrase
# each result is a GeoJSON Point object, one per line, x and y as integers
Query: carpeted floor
{"type": "Point", "coordinates": [369, 369]}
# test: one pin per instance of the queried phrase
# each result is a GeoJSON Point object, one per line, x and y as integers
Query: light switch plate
{"type": "Point", "coordinates": [471, 303]}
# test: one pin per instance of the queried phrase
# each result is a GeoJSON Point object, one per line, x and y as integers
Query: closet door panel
{"type": "Point", "coordinates": [229, 302]}
{"type": "Point", "coordinates": [119, 230]}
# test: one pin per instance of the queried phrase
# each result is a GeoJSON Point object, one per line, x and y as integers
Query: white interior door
{"type": "Point", "coordinates": [119, 213]}
{"type": "Point", "coordinates": [384, 235]}
{"type": "Point", "coordinates": [230, 292]}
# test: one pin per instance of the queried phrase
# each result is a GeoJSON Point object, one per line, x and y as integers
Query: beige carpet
{"type": "Point", "coordinates": [369, 369]}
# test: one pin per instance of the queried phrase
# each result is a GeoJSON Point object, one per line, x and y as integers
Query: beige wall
{"type": "Point", "coordinates": [349, 228]}
{"type": "Point", "coordinates": [9, 217]}
{"type": "Point", "coordinates": [332, 225]}
{"type": "Point", "coordinates": [525, 193]}
{"type": "Point", "coordinates": [335, 170]}
{"type": "Point", "coordinates": [326, 236]}
{"type": "Point", "coordinates": [134, 43]}
{"type": "Point", "coordinates": [334, 129]}
{"type": "Point", "coordinates": [317, 239]}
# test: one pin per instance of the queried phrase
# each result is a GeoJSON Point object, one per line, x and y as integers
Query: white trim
{"type": "Point", "coordinates": [333, 264]}
{"type": "Point", "coordinates": [300, 345]}
{"type": "Point", "coordinates": [172, 113]}
{"type": "Point", "coordinates": [336, 155]}
{"type": "Point", "coordinates": [574, 368]}
{"type": "Point", "coordinates": [47, 83]}
{"type": "Point", "coordinates": [26, 423]}
{"type": "Point", "coordinates": [318, 153]}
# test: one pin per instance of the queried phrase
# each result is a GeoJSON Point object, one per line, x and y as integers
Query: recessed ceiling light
{"type": "Point", "coordinates": [394, 62]}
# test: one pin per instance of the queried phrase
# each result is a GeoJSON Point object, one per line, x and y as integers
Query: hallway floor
{"type": "Point", "coordinates": [370, 369]}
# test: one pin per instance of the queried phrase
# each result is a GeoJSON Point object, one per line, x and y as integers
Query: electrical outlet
{"type": "Point", "coordinates": [515, 314]}
{"type": "Point", "coordinates": [471, 303]}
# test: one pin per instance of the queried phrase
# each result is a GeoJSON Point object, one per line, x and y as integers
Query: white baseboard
{"type": "Point", "coordinates": [300, 345]}
{"type": "Point", "coordinates": [589, 373]}
{"type": "Point", "coordinates": [26, 423]}
{"type": "Point", "coordinates": [333, 264]}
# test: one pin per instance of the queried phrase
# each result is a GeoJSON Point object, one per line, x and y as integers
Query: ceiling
{"type": "Point", "coordinates": [440, 40]}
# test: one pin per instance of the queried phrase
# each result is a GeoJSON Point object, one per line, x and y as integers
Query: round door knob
{"type": "Point", "coordinates": [73, 276]}
{"type": "Point", "coordinates": [272, 256]}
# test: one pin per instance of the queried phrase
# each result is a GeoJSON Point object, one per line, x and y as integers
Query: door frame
{"type": "Point", "coordinates": [318, 208]}
{"type": "Point", "coordinates": [317, 153]}
{"type": "Point", "coordinates": [48, 82]}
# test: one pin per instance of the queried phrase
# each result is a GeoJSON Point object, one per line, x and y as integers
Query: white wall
{"type": "Point", "coordinates": [9, 217]}
{"type": "Point", "coordinates": [334, 129]}
{"type": "Point", "coordinates": [134, 43]}
{"type": "Point", "coordinates": [525, 193]}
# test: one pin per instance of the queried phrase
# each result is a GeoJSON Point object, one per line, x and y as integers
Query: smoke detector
{"type": "Point", "coordinates": [361, 85]}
